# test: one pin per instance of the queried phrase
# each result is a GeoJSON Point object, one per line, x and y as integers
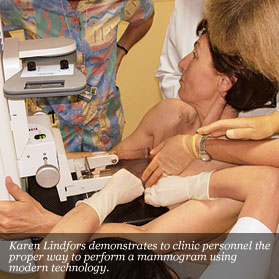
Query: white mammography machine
{"type": "Point", "coordinates": [29, 145]}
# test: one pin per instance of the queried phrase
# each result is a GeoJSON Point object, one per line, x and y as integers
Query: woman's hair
{"type": "Point", "coordinates": [251, 90]}
{"type": "Point", "coordinates": [124, 269]}
{"type": "Point", "coordinates": [248, 28]}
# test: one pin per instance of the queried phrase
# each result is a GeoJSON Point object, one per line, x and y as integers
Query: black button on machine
{"type": "Point", "coordinates": [64, 64]}
{"type": "Point", "coordinates": [31, 66]}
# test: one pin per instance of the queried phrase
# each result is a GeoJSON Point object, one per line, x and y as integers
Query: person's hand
{"type": "Point", "coordinates": [172, 156]}
{"type": "Point", "coordinates": [121, 188]}
{"type": "Point", "coordinates": [23, 217]}
{"type": "Point", "coordinates": [125, 186]}
{"type": "Point", "coordinates": [255, 128]}
{"type": "Point", "coordinates": [172, 190]}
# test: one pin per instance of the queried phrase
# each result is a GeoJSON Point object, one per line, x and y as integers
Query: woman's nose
{"type": "Point", "coordinates": [184, 62]}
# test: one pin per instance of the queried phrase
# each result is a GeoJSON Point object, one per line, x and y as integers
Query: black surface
{"type": "Point", "coordinates": [135, 212]}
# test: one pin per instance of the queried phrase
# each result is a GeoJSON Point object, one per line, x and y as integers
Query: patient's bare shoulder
{"type": "Point", "coordinates": [174, 110]}
{"type": "Point", "coordinates": [171, 116]}
{"type": "Point", "coordinates": [166, 119]}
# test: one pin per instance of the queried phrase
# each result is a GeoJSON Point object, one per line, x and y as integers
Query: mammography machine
{"type": "Point", "coordinates": [29, 145]}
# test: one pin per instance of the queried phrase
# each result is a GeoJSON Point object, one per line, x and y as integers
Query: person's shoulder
{"type": "Point", "coordinates": [176, 109]}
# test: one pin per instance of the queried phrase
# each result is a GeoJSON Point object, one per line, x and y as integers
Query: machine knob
{"type": "Point", "coordinates": [64, 64]}
{"type": "Point", "coordinates": [31, 66]}
{"type": "Point", "coordinates": [47, 176]}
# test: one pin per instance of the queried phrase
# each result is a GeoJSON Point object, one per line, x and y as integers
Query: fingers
{"type": "Point", "coordinates": [149, 197]}
{"type": "Point", "coordinates": [156, 149]}
{"type": "Point", "coordinates": [242, 133]}
{"type": "Point", "coordinates": [153, 165]}
{"type": "Point", "coordinates": [15, 191]}
{"type": "Point", "coordinates": [156, 175]}
{"type": "Point", "coordinates": [218, 133]}
{"type": "Point", "coordinates": [9, 182]}
{"type": "Point", "coordinates": [223, 125]}
{"type": "Point", "coordinates": [214, 127]}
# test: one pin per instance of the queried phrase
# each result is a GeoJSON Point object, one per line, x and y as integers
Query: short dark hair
{"type": "Point", "coordinates": [251, 90]}
{"type": "Point", "coordinates": [126, 269]}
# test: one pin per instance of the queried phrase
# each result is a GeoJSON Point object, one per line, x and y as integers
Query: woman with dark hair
{"type": "Point", "coordinates": [254, 36]}
{"type": "Point", "coordinates": [250, 89]}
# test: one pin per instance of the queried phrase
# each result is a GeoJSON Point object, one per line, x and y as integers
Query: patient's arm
{"type": "Point", "coordinates": [190, 217]}
{"type": "Point", "coordinates": [197, 166]}
{"type": "Point", "coordinates": [257, 186]}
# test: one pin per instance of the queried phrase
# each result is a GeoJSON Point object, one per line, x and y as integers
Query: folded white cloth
{"type": "Point", "coordinates": [122, 187]}
{"type": "Point", "coordinates": [172, 189]}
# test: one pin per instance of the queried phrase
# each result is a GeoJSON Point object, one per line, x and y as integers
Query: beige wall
{"type": "Point", "coordinates": [136, 76]}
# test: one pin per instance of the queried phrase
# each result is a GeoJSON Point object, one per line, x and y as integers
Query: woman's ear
{"type": "Point", "coordinates": [225, 83]}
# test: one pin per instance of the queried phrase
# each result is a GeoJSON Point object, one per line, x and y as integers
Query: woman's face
{"type": "Point", "coordinates": [199, 80]}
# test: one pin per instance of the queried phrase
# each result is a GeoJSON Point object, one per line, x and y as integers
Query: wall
{"type": "Point", "coordinates": [136, 76]}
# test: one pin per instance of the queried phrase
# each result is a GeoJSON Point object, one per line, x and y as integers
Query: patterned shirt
{"type": "Point", "coordinates": [93, 122]}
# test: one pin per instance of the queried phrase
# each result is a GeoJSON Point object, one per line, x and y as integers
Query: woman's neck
{"type": "Point", "coordinates": [209, 112]}
{"type": "Point", "coordinates": [204, 111]}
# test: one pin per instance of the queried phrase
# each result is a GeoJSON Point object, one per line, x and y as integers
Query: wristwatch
{"type": "Point", "coordinates": [203, 155]}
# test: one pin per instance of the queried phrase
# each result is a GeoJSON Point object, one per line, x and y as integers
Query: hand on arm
{"type": "Point", "coordinates": [254, 128]}
{"type": "Point", "coordinates": [171, 157]}
{"type": "Point", "coordinates": [173, 189]}
{"type": "Point", "coordinates": [25, 215]}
